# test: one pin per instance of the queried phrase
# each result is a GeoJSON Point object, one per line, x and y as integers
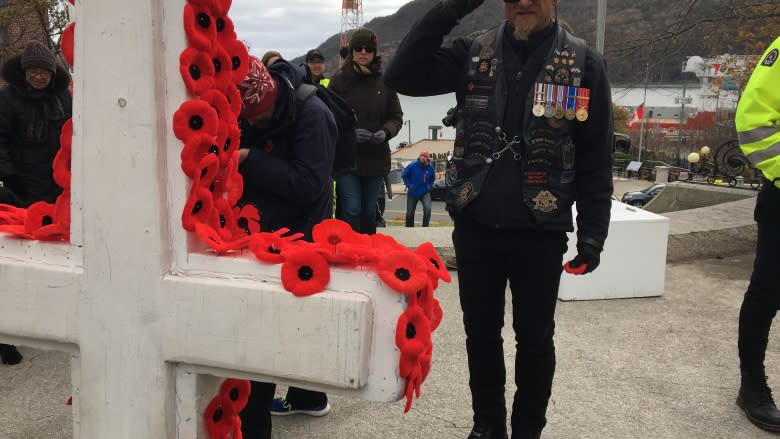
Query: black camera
{"type": "Point", "coordinates": [451, 117]}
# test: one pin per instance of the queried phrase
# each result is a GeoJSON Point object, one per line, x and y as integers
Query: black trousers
{"type": "Point", "coordinates": [256, 416]}
{"type": "Point", "coordinates": [762, 299]}
{"type": "Point", "coordinates": [531, 261]}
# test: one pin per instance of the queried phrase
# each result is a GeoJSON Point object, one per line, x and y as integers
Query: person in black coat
{"type": "Point", "coordinates": [286, 158]}
{"type": "Point", "coordinates": [33, 107]}
{"type": "Point", "coordinates": [533, 131]}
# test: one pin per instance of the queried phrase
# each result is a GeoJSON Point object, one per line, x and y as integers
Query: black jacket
{"type": "Point", "coordinates": [287, 172]}
{"type": "Point", "coordinates": [422, 67]}
{"type": "Point", "coordinates": [30, 125]}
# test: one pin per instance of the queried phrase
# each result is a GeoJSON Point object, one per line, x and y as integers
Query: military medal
{"type": "Point", "coordinates": [558, 113]}
{"type": "Point", "coordinates": [571, 92]}
{"type": "Point", "coordinates": [583, 96]}
{"type": "Point", "coordinates": [538, 109]}
{"type": "Point", "coordinates": [548, 105]}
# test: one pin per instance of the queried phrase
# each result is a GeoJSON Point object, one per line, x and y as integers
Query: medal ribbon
{"type": "Point", "coordinates": [549, 93]}
{"type": "Point", "coordinates": [571, 98]}
{"type": "Point", "coordinates": [539, 96]}
{"type": "Point", "coordinates": [559, 102]}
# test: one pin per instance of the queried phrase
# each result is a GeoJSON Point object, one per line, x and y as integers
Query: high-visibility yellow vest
{"type": "Point", "coordinates": [325, 82]}
{"type": "Point", "coordinates": [758, 115]}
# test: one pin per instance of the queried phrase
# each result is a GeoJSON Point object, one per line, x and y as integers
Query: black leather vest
{"type": "Point", "coordinates": [544, 148]}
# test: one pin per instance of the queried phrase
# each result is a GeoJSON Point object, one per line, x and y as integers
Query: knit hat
{"type": "Point", "coordinates": [270, 54]}
{"type": "Point", "coordinates": [314, 55]}
{"type": "Point", "coordinates": [363, 37]}
{"type": "Point", "coordinates": [37, 55]}
{"type": "Point", "coordinates": [258, 90]}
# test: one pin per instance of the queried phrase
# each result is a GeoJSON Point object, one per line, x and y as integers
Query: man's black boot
{"type": "Point", "coordinates": [755, 398]}
{"type": "Point", "coordinates": [9, 354]}
{"type": "Point", "coordinates": [486, 432]}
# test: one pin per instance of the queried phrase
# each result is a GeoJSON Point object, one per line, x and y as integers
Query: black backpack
{"type": "Point", "coordinates": [345, 158]}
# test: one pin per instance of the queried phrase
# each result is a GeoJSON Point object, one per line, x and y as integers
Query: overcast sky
{"type": "Point", "coordinates": [294, 26]}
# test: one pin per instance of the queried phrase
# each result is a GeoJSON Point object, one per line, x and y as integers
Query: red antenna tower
{"type": "Point", "coordinates": [351, 18]}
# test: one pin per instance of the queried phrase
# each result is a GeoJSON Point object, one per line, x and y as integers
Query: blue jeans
{"type": "Point", "coordinates": [411, 206]}
{"type": "Point", "coordinates": [357, 200]}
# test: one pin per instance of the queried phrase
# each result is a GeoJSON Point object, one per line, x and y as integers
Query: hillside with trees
{"type": "Point", "coordinates": [660, 33]}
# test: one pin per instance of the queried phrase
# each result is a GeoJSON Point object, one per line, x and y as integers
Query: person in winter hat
{"type": "Point", "coordinates": [379, 118]}
{"type": "Point", "coordinates": [286, 157]}
{"type": "Point", "coordinates": [33, 107]}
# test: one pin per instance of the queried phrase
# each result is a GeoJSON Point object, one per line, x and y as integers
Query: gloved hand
{"type": "Point", "coordinates": [587, 259]}
{"type": "Point", "coordinates": [362, 136]}
{"type": "Point", "coordinates": [463, 7]}
{"type": "Point", "coordinates": [379, 137]}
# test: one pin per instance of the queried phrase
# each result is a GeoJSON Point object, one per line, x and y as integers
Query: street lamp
{"type": "Point", "coordinates": [408, 122]}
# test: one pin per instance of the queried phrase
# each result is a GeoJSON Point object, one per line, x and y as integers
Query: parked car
{"type": "Point", "coordinates": [438, 190]}
{"type": "Point", "coordinates": [640, 198]}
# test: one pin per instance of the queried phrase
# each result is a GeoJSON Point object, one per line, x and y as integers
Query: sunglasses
{"type": "Point", "coordinates": [364, 49]}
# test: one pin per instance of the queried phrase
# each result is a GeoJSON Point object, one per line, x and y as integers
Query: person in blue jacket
{"type": "Point", "coordinates": [418, 178]}
{"type": "Point", "coordinates": [286, 158]}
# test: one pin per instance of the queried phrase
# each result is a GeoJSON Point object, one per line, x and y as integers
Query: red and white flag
{"type": "Point", "coordinates": [637, 116]}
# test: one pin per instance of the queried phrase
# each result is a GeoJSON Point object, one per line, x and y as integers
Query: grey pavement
{"type": "Point", "coordinates": [662, 367]}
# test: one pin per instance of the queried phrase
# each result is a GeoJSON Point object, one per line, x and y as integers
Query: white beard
{"type": "Point", "coordinates": [523, 28]}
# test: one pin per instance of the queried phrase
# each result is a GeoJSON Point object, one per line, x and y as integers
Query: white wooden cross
{"type": "Point", "coordinates": [150, 318]}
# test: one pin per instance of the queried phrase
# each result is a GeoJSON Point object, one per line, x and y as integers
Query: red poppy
{"type": "Point", "coordinates": [223, 73]}
{"type": "Point", "coordinates": [221, 7]}
{"type": "Point", "coordinates": [196, 70]}
{"type": "Point", "coordinates": [229, 139]}
{"type": "Point", "coordinates": [329, 234]}
{"type": "Point", "coordinates": [195, 149]}
{"type": "Point", "coordinates": [198, 208]}
{"type": "Point", "coordinates": [39, 214]}
{"type": "Point", "coordinates": [222, 219]}
{"type": "Point", "coordinates": [225, 29]}
{"type": "Point", "coordinates": [211, 238]}
{"type": "Point", "coordinates": [207, 173]}
{"type": "Point", "coordinates": [194, 116]}
{"type": "Point", "coordinates": [357, 254]}
{"type": "Point", "coordinates": [304, 271]}
{"type": "Point", "coordinates": [234, 98]}
{"type": "Point", "coordinates": [230, 184]}
{"type": "Point", "coordinates": [221, 105]}
{"type": "Point", "coordinates": [413, 332]}
{"type": "Point", "coordinates": [199, 26]}
{"type": "Point", "coordinates": [381, 241]}
{"type": "Point", "coordinates": [239, 59]}
{"type": "Point", "coordinates": [66, 43]}
{"type": "Point", "coordinates": [247, 219]}
{"type": "Point", "coordinates": [436, 314]}
{"type": "Point", "coordinates": [62, 211]}
{"type": "Point", "coordinates": [12, 217]}
{"type": "Point", "coordinates": [433, 261]}
{"type": "Point", "coordinates": [237, 391]}
{"type": "Point", "coordinates": [61, 164]}
{"type": "Point", "coordinates": [423, 298]}
{"type": "Point", "coordinates": [271, 247]}
{"type": "Point", "coordinates": [218, 417]}
{"type": "Point", "coordinates": [17, 230]}
{"type": "Point", "coordinates": [403, 271]}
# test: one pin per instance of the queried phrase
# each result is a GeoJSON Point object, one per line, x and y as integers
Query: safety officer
{"type": "Point", "coordinates": [533, 136]}
{"type": "Point", "coordinates": [758, 127]}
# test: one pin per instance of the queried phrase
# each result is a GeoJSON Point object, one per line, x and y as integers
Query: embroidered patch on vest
{"type": "Point", "coordinates": [545, 202]}
{"type": "Point", "coordinates": [465, 193]}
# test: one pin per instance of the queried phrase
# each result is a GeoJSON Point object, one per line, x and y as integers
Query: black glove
{"type": "Point", "coordinates": [379, 137]}
{"type": "Point", "coordinates": [463, 7]}
{"type": "Point", "coordinates": [362, 136]}
{"type": "Point", "coordinates": [587, 259]}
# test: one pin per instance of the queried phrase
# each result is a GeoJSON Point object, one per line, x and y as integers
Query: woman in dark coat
{"type": "Point", "coordinates": [379, 118]}
{"type": "Point", "coordinates": [33, 107]}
